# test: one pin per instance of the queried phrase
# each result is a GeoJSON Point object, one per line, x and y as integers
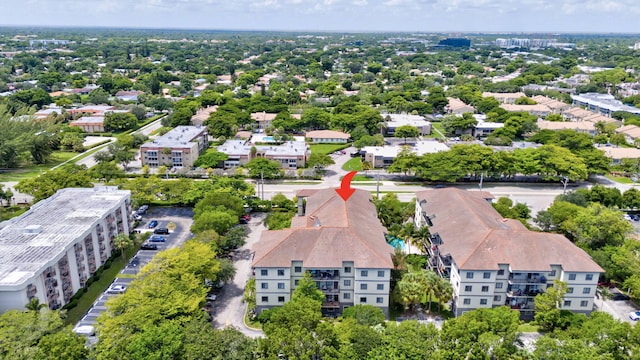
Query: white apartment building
{"type": "Point", "coordinates": [179, 148]}
{"type": "Point", "coordinates": [491, 261]}
{"type": "Point", "coordinates": [50, 251]}
{"type": "Point", "coordinates": [604, 104]}
{"type": "Point", "coordinates": [394, 121]}
{"type": "Point", "coordinates": [340, 243]}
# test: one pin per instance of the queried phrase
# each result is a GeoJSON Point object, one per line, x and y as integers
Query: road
{"type": "Point", "coordinates": [230, 309]}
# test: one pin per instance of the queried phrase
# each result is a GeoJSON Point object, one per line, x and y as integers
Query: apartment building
{"type": "Point", "coordinates": [491, 261]}
{"type": "Point", "coordinates": [504, 98]}
{"type": "Point", "coordinates": [340, 243]}
{"type": "Point", "coordinates": [327, 137]}
{"type": "Point", "coordinates": [179, 147]}
{"type": "Point", "coordinates": [604, 104]}
{"type": "Point", "coordinates": [50, 251]}
{"type": "Point", "coordinates": [291, 154]}
{"type": "Point", "coordinates": [458, 107]}
{"type": "Point", "coordinates": [394, 121]}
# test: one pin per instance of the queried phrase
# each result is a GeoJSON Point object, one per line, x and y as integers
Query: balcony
{"type": "Point", "coordinates": [324, 274]}
{"type": "Point", "coordinates": [331, 304]}
{"type": "Point", "coordinates": [527, 278]}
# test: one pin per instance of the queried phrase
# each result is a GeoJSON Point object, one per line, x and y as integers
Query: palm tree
{"type": "Point", "coordinates": [443, 292]}
{"type": "Point", "coordinates": [122, 242]}
{"type": "Point", "coordinates": [383, 125]}
{"type": "Point", "coordinates": [34, 305]}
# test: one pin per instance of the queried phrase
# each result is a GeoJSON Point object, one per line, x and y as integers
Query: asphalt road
{"type": "Point", "coordinates": [229, 306]}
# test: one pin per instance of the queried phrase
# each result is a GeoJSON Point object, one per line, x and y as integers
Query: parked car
{"type": "Point", "coordinates": [149, 246]}
{"type": "Point", "coordinates": [211, 297]}
{"type": "Point", "coordinates": [627, 217]}
{"type": "Point", "coordinates": [143, 209]}
{"type": "Point", "coordinates": [635, 217]}
{"type": "Point", "coordinates": [137, 217]}
{"type": "Point", "coordinates": [243, 220]}
{"type": "Point", "coordinates": [634, 315]}
{"type": "Point", "coordinates": [163, 231]}
{"type": "Point", "coordinates": [156, 238]}
{"type": "Point", "coordinates": [86, 330]}
{"type": "Point", "coordinates": [619, 297]}
{"type": "Point", "coordinates": [117, 289]}
{"type": "Point", "coordinates": [153, 223]}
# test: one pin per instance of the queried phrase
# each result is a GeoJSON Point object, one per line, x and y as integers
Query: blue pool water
{"type": "Point", "coordinates": [397, 243]}
{"type": "Point", "coordinates": [268, 139]}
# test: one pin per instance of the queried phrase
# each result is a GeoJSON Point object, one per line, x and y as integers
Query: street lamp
{"type": "Point", "coordinates": [565, 181]}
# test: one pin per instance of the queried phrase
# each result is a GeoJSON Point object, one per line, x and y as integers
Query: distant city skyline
{"type": "Point", "coordinates": [514, 16]}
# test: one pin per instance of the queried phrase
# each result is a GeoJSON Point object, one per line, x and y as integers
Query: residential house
{"type": "Point", "coordinates": [179, 147]}
{"type": "Point", "coordinates": [92, 110]}
{"type": "Point", "coordinates": [537, 109]}
{"type": "Point", "coordinates": [394, 121]}
{"type": "Point", "coordinates": [556, 107]}
{"type": "Point", "coordinates": [340, 243]}
{"type": "Point", "coordinates": [202, 115]}
{"type": "Point", "coordinates": [50, 251]}
{"type": "Point", "coordinates": [327, 137]}
{"type": "Point", "coordinates": [577, 126]}
{"type": "Point", "coordinates": [128, 95]}
{"type": "Point", "coordinates": [89, 124]}
{"type": "Point", "coordinates": [491, 261]}
{"type": "Point", "coordinates": [457, 107]}
{"type": "Point", "coordinates": [618, 154]}
{"type": "Point", "coordinates": [631, 133]}
{"type": "Point", "coordinates": [504, 98]}
{"type": "Point", "coordinates": [484, 128]}
{"type": "Point", "coordinates": [263, 119]}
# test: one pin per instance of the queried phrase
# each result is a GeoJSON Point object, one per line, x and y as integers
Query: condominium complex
{"type": "Point", "coordinates": [179, 147]}
{"type": "Point", "coordinates": [50, 251]}
{"type": "Point", "coordinates": [604, 104]}
{"type": "Point", "coordinates": [491, 261]}
{"type": "Point", "coordinates": [340, 243]}
{"type": "Point", "coordinates": [290, 154]}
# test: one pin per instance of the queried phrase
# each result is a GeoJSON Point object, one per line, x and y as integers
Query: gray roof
{"type": "Point", "coordinates": [38, 238]}
{"type": "Point", "coordinates": [180, 136]}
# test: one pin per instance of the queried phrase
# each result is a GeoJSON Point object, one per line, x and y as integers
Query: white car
{"type": "Point", "coordinates": [634, 315]}
{"type": "Point", "coordinates": [117, 289]}
{"type": "Point", "coordinates": [211, 297]}
{"type": "Point", "coordinates": [86, 330]}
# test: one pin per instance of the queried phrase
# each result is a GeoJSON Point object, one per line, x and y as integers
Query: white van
{"type": "Point", "coordinates": [86, 330]}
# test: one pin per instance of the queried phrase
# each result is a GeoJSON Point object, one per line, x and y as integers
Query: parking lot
{"type": "Point", "coordinates": [618, 309]}
{"type": "Point", "coordinates": [182, 218]}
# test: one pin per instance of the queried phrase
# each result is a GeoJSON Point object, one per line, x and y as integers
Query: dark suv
{"type": "Point", "coordinates": [163, 231]}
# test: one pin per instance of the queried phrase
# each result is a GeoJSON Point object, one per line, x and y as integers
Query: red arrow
{"type": "Point", "coordinates": [345, 191]}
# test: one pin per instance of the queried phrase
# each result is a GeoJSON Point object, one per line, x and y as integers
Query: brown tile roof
{"type": "Point", "coordinates": [332, 231]}
{"type": "Point", "coordinates": [478, 238]}
{"type": "Point", "coordinates": [326, 134]}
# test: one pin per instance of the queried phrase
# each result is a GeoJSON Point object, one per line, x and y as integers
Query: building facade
{"type": "Point", "coordinates": [341, 244]}
{"type": "Point", "coordinates": [180, 147]}
{"type": "Point", "coordinates": [491, 261]}
{"type": "Point", "coordinates": [49, 252]}
{"type": "Point", "coordinates": [327, 137]}
{"type": "Point", "coordinates": [291, 154]}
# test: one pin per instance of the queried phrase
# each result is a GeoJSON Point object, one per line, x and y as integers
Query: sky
{"type": "Point", "coordinates": [544, 16]}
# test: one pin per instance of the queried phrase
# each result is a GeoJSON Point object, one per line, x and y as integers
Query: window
{"type": "Point", "coordinates": [347, 269]}
{"type": "Point", "coordinates": [295, 282]}
{"type": "Point", "coordinates": [364, 273]}
{"type": "Point", "coordinates": [280, 285]}
{"type": "Point", "coordinates": [280, 272]}
{"type": "Point", "coordinates": [584, 303]}
{"type": "Point", "coordinates": [468, 288]}
{"type": "Point", "coordinates": [363, 300]}
{"type": "Point", "coordinates": [346, 296]}
{"type": "Point", "coordinates": [586, 291]}
{"type": "Point", "coordinates": [499, 285]}
{"type": "Point", "coordinates": [552, 273]}
{"type": "Point", "coordinates": [347, 283]}
{"type": "Point", "coordinates": [486, 275]}
{"type": "Point", "coordinates": [570, 290]}
{"type": "Point", "coordinates": [380, 287]}
{"type": "Point", "coordinates": [363, 286]}
{"type": "Point", "coordinates": [485, 288]}
{"type": "Point", "coordinates": [297, 269]}
{"type": "Point", "coordinates": [469, 275]}
{"type": "Point", "coordinates": [572, 276]}
{"type": "Point", "coordinates": [280, 298]}
{"type": "Point", "coordinates": [466, 301]}
{"type": "Point", "coordinates": [264, 285]}
{"type": "Point", "coordinates": [496, 298]}
{"type": "Point", "coordinates": [379, 300]}
{"type": "Point", "coordinates": [588, 277]}
{"type": "Point", "coordinates": [501, 272]}
{"type": "Point", "coordinates": [483, 301]}
{"type": "Point", "coordinates": [380, 273]}
{"type": "Point", "coordinates": [567, 303]}
{"type": "Point", "coordinates": [265, 299]}
{"type": "Point", "coordinates": [264, 272]}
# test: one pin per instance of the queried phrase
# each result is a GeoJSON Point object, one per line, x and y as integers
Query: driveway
{"type": "Point", "coordinates": [230, 308]}
{"type": "Point", "coordinates": [619, 310]}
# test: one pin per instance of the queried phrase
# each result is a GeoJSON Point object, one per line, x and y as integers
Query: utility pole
{"type": "Point", "coordinates": [378, 186]}
{"type": "Point", "coordinates": [262, 184]}
{"type": "Point", "coordinates": [481, 178]}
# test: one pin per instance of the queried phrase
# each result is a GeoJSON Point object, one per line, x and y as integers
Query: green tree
{"type": "Point", "coordinates": [406, 131]}
{"type": "Point", "coordinates": [364, 314]}
{"type": "Point", "coordinates": [548, 306]}
{"type": "Point", "coordinates": [119, 121]}
{"type": "Point", "coordinates": [218, 220]}
{"type": "Point", "coordinates": [122, 242]}
{"type": "Point", "coordinates": [317, 160]}
{"type": "Point", "coordinates": [45, 185]}
{"type": "Point", "coordinates": [265, 168]}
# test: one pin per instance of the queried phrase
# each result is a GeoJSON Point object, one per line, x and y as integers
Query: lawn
{"type": "Point", "coordinates": [31, 170]}
{"type": "Point", "coordinates": [97, 288]}
{"type": "Point", "coordinates": [528, 327]}
{"type": "Point", "coordinates": [354, 164]}
{"type": "Point", "coordinates": [619, 179]}
{"type": "Point", "coordinates": [434, 134]}
{"type": "Point", "coordinates": [327, 148]}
